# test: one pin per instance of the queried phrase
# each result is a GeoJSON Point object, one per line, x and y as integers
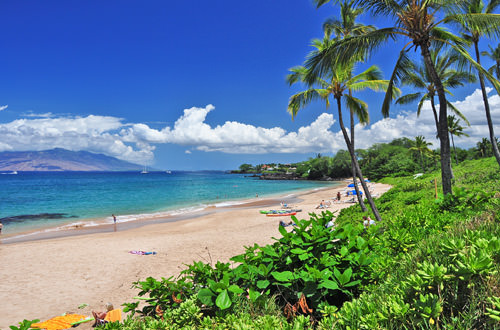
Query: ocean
{"type": "Point", "coordinates": [36, 201]}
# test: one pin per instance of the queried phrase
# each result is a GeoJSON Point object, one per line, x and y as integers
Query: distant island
{"type": "Point", "coordinates": [62, 160]}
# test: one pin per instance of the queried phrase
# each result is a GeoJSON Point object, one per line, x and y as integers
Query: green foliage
{"type": "Point", "coordinates": [24, 325]}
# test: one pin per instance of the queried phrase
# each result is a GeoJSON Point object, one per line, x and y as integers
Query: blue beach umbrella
{"type": "Point", "coordinates": [351, 185]}
{"type": "Point", "coordinates": [353, 192]}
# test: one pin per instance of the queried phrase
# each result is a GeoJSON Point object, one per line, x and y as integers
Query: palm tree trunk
{"type": "Point", "coordinates": [494, 145]}
{"type": "Point", "coordinates": [354, 173]}
{"type": "Point", "coordinates": [356, 164]}
{"type": "Point", "coordinates": [446, 174]}
{"type": "Point", "coordinates": [435, 116]}
{"type": "Point", "coordinates": [454, 150]}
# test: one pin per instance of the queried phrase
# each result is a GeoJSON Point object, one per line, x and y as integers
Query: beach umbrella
{"type": "Point", "coordinates": [353, 192]}
{"type": "Point", "coordinates": [366, 180]}
{"type": "Point", "coordinates": [351, 185]}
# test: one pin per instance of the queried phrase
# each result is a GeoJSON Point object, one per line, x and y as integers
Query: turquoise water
{"type": "Point", "coordinates": [36, 200]}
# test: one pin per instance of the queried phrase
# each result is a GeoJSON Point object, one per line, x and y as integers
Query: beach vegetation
{"type": "Point", "coordinates": [430, 263]}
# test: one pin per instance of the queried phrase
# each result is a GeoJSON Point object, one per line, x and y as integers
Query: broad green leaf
{"type": "Point", "coordinates": [262, 284]}
{"type": "Point", "coordinates": [235, 289]}
{"type": "Point", "coordinates": [298, 251]}
{"type": "Point", "coordinates": [283, 276]}
{"type": "Point", "coordinates": [223, 300]}
{"type": "Point", "coordinates": [253, 295]}
{"type": "Point", "coordinates": [205, 296]}
{"type": "Point", "coordinates": [328, 284]}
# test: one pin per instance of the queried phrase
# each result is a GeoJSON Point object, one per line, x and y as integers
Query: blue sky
{"type": "Point", "coordinates": [116, 77]}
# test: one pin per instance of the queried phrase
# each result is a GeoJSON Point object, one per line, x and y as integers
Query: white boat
{"type": "Point", "coordinates": [168, 172]}
{"type": "Point", "coordinates": [11, 172]}
{"type": "Point", "coordinates": [145, 170]}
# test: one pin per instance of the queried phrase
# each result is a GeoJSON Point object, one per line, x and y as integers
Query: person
{"type": "Point", "coordinates": [338, 196]}
{"type": "Point", "coordinates": [100, 316]}
{"type": "Point", "coordinates": [1, 226]}
{"type": "Point", "coordinates": [321, 205]}
{"type": "Point", "coordinates": [114, 218]}
{"type": "Point", "coordinates": [330, 224]}
{"type": "Point", "coordinates": [284, 224]}
{"type": "Point", "coordinates": [368, 221]}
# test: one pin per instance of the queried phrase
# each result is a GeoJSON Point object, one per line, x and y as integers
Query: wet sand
{"type": "Point", "coordinates": [44, 278]}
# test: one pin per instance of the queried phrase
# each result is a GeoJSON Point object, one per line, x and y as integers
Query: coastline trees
{"type": "Point", "coordinates": [418, 21]}
{"type": "Point", "coordinates": [421, 147]}
{"type": "Point", "coordinates": [337, 82]}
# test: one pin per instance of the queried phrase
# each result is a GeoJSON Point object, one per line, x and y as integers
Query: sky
{"type": "Point", "coordinates": [187, 85]}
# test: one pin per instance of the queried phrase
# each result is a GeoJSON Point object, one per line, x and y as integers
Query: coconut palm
{"type": "Point", "coordinates": [418, 21]}
{"type": "Point", "coordinates": [341, 28]}
{"type": "Point", "coordinates": [473, 33]}
{"type": "Point", "coordinates": [494, 55]}
{"type": "Point", "coordinates": [455, 129]}
{"type": "Point", "coordinates": [418, 77]}
{"type": "Point", "coordinates": [422, 148]}
{"type": "Point", "coordinates": [337, 84]}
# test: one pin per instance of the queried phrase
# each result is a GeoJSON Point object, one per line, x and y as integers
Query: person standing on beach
{"type": "Point", "coordinates": [1, 227]}
{"type": "Point", "coordinates": [338, 196]}
{"type": "Point", "coordinates": [114, 218]}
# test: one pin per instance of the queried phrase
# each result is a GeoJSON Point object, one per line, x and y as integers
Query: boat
{"type": "Point", "coordinates": [168, 172]}
{"type": "Point", "coordinates": [11, 172]}
{"type": "Point", "coordinates": [145, 170]}
{"type": "Point", "coordinates": [280, 214]}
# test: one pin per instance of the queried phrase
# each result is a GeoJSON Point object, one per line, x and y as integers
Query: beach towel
{"type": "Point", "coordinates": [59, 322]}
{"type": "Point", "coordinates": [113, 315]}
{"type": "Point", "coordinates": [142, 253]}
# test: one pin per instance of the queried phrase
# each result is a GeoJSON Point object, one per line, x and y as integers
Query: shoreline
{"type": "Point", "coordinates": [45, 278]}
{"type": "Point", "coordinates": [132, 221]}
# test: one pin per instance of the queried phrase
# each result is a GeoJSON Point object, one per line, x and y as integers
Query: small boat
{"type": "Point", "coordinates": [280, 214]}
{"type": "Point", "coordinates": [168, 172]}
{"type": "Point", "coordinates": [144, 171]}
{"type": "Point", "coordinates": [11, 172]}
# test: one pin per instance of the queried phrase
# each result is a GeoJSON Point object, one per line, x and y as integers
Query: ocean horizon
{"type": "Point", "coordinates": [39, 201]}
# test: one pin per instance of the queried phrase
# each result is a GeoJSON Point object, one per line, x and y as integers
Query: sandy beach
{"type": "Point", "coordinates": [41, 279]}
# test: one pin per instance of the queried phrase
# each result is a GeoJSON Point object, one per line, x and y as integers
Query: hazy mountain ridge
{"type": "Point", "coordinates": [62, 160]}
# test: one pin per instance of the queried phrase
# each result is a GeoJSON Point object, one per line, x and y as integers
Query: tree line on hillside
{"type": "Point", "coordinates": [401, 157]}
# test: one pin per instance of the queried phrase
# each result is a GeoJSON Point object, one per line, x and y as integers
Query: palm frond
{"type": "Point", "coordinates": [302, 99]}
{"type": "Point", "coordinates": [358, 107]}
{"type": "Point", "coordinates": [347, 50]}
{"type": "Point", "coordinates": [458, 113]}
{"type": "Point", "coordinates": [400, 70]}
{"type": "Point", "coordinates": [478, 23]}
{"type": "Point", "coordinates": [374, 85]}
{"type": "Point", "coordinates": [408, 98]}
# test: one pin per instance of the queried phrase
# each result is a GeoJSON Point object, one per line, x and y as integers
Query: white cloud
{"type": "Point", "coordinates": [188, 152]}
{"type": "Point", "coordinates": [3, 107]}
{"type": "Point", "coordinates": [136, 142]}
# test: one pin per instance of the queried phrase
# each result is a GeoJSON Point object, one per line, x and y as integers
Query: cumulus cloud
{"type": "Point", "coordinates": [3, 107]}
{"type": "Point", "coordinates": [136, 142]}
{"type": "Point", "coordinates": [188, 152]}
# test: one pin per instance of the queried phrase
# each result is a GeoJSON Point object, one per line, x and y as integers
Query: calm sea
{"type": "Point", "coordinates": [38, 200]}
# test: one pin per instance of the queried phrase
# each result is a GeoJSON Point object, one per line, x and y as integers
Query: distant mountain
{"type": "Point", "coordinates": [62, 160]}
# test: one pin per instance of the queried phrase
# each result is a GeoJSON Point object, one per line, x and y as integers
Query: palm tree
{"type": "Point", "coordinates": [342, 28]}
{"type": "Point", "coordinates": [421, 147]}
{"type": "Point", "coordinates": [418, 77]}
{"type": "Point", "coordinates": [494, 55]}
{"type": "Point", "coordinates": [417, 20]}
{"type": "Point", "coordinates": [473, 33]}
{"type": "Point", "coordinates": [337, 83]}
{"type": "Point", "coordinates": [455, 129]}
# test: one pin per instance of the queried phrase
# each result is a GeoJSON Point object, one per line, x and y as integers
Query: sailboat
{"type": "Point", "coordinates": [145, 170]}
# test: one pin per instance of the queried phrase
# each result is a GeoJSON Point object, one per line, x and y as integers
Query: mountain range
{"type": "Point", "coordinates": [62, 160]}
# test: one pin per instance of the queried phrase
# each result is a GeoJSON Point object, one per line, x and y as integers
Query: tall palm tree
{"type": "Point", "coordinates": [418, 77]}
{"type": "Point", "coordinates": [418, 21]}
{"type": "Point", "coordinates": [421, 147]}
{"type": "Point", "coordinates": [473, 33]}
{"type": "Point", "coordinates": [493, 54]}
{"type": "Point", "coordinates": [342, 28]}
{"type": "Point", "coordinates": [455, 129]}
{"type": "Point", "coordinates": [337, 83]}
